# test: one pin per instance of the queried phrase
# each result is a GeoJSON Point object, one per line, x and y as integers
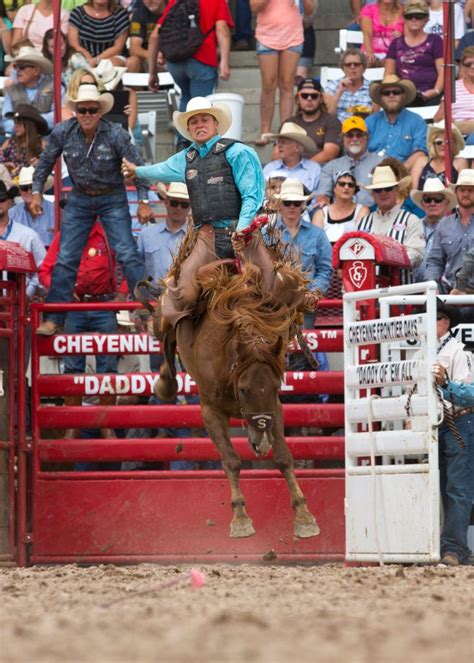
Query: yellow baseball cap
{"type": "Point", "coordinates": [354, 122]}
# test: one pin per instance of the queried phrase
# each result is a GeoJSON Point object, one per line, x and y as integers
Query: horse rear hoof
{"type": "Point", "coordinates": [306, 530]}
{"type": "Point", "coordinates": [166, 390]}
{"type": "Point", "coordinates": [241, 529]}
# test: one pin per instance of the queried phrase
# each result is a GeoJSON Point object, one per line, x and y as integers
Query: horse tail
{"type": "Point", "coordinates": [166, 388]}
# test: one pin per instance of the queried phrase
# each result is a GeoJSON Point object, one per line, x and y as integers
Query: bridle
{"type": "Point", "coordinates": [259, 421]}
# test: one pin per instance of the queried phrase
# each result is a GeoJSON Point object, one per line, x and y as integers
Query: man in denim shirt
{"type": "Point", "coordinates": [93, 149]}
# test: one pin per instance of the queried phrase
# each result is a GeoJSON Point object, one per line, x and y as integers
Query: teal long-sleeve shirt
{"type": "Point", "coordinates": [246, 168]}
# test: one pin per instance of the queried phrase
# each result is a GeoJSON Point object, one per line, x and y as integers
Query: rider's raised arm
{"type": "Point", "coordinates": [248, 177]}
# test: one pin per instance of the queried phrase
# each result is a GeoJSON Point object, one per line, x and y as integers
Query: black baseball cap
{"type": "Point", "coordinates": [5, 193]}
{"type": "Point", "coordinates": [310, 82]}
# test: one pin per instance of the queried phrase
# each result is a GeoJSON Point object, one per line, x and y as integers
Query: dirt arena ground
{"type": "Point", "coordinates": [271, 614]}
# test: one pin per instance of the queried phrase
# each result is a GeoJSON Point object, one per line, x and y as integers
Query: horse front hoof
{"type": "Point", "coordinates": [240, 529]}
{"type": "Point", "coordinates": [305, 530]}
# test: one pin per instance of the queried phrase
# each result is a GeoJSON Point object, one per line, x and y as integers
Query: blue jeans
{"type": "Point", "coordinates": [243, 20]}
{"type": "Point", "coordinates": [456, 477]}
{"type": "Point", "coordinates": [78, 218]}
{"type": "Point", "coordinates": [194, 78]}
{"type": "Point", "coordinates": [91, 321]}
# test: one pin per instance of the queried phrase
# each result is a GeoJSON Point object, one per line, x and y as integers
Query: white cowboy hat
{"type": "Point", "coordinates": [107, 74]}
{"type": "Point", "coordinates": [465, 178]}
{"type": "Point", "coordinates": [124, 319]}
{"type": "Point", "coordinates": [197, 106]}
{"type": "Point", "coordinates": [292, 189]}
{"type": "Point", "coordinates": [433, 185]}
{"type": "Point", "coordinates": [91, 93]}
{"type": "Point", "coordinates": [32, 56]}
{"type": "Point", "coordinates": [438, 128]}
{"type": "Point", "coordinates": [293, 131]}
{"type": "Point", "coordinates": [25, 178]}
{"type": "Point", "coordinates": [174, 190]}
{"type": "Point", "coordinates": [275, 175]}
{"type": "Point", "coordinates": [384, 178]}
{"type": "Point", "coordinates": [392, 80]}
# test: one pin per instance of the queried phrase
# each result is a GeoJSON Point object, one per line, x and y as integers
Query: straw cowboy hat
{"type": "Point", "coordinates": [91, 93]}
{"type": "Point", "coordinates": [25, 178]}
{"type": "Point", "coordinates": [124, 319]}
{"type": "Point", "coordinates": [293, 131]}
{"type": "Point", "coordinates": [465, 178]}
{"type": "Point", "coordinates": [292, 189]}
{"type": "Point", "coordinates": [174, 190]}
{"type": "Point", "coordinates": [29, 114]}
{"type": "Point", "coordinates": [32, 56]}
{"type": "Point", "coordinates": [438, 128]}
{"type": "Point", "coordinates": [384, 178]}
{"type": "Point", "coordinates": [198, 106]}
{"type": "Point", "coordinates": [433, 185]}
{"type": "Point", "coordinates": [392, 80]}
{"type": "Point", "coordinates": [107, 74]}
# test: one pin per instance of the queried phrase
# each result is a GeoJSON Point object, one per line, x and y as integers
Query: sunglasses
{"type": "Point", "coordinates": [386, 188]}
{"type": "Point", "coordinates": [84, 111]}
{"type": "Point", "coordinates": [391, 93]}
{"type": "Point", "coordinates": [310, 95]}
{"type": "Point", "coordinates": [292, 203]}
{"type": "Point", "coordinates": [438, 142]}
{"type": "Point", "coordinates": [25, 187]}
{"type": "Point", "coordinates": [433, 199]}
{"type": "Point", "coordinates": [179, 203]}
{"type": "Point", "coordinates": [355, 134]}
{"type": "Point", "coordinates": [414, 17]}
{"type": "Point", "coordinates": [23, 65]}
{"type": "Point", "coordinates": [352, 64]}
{"type": "Point", "coordinates": [347, 185]}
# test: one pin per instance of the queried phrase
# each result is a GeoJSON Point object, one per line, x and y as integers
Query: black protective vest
{"type": "Point", "coordinates": [212, 190]}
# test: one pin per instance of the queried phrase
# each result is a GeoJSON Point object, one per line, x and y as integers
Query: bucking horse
{"type": "Point", "coordinates": [235, 352]}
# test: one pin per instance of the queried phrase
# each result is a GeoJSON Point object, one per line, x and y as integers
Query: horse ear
{"type": "Point", "coordinates": [277, 348]}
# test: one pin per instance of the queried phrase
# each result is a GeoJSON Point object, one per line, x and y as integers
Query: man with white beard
{"type": "Point", "coordinates": [357, 160]}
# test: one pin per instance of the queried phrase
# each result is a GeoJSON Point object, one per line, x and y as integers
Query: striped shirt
{"type": "Point", "coordinates": [462, 108]}
{"type": "Point", "coordinates": [400, 225]}
{"type": "Point", "coordinates": [98, 34]}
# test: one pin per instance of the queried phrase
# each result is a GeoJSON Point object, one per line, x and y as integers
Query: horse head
{"type": "Point", "coordinates": [257, 380]}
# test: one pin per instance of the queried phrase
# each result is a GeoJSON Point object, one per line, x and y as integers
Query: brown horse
{"type": "Point", "coordinates": [235, 353]}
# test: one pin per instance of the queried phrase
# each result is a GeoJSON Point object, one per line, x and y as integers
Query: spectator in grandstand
{"type": "Point", "coordinates": [434, 25]}
{"type": "Point", "coordinates": [462, 107]}
{"type": "Point", "coordinates": [24, 147]}
{"type": "Point", "coordinates": [343, 95]}
{"type": "Point", "coordinates": [456, 444]}
{"type": "Point", "coordinates": [16, 232]}
{"type": "Point", "coordinates": [197, 75]}
{"type": "Point", "coordinates": [279, 35]}
{"type": "Point", "coordinates": [434, 164]}
{"type": "Point", "coordinates": [343, 213]}
{"type": "Point", "coordinates": [98, 30]}
{"type": "Point", "coordinates": [466, 41]}
{"type": "Point", "coordinates": [43, 223]}
{"type": "Point", "coordinates": [34, 86]}
{"type": "Point", "coordinates": [125, 108]}
{"type": "Point", "coordinates": [462, 286]}
{"type": "Point", "coordinates": [403, 197]}
{"type": "Point", "coordinates": [143, 23]}
{"type": "Point", "coordinates": [389, 218]}
{"type": "Point", "coordinates": [315, 253]}
{"type": "Point", "coordinates": [437, 202]}
{"type": "Point", "coordinates": [6, 36]}
{"type": "Point", "coordinates": [159, 243]}
{"type": "Point", "coordinates": [69, 60]}
{"type": "Point", "coordinates": [395, 131]}
{"type": "Point", "coordinates": [294, 147]}
{"type": "Point", "coordinates": [357, 160]}
{"type": "Point", "coordinates": [33, 20]}
{"type": "Point", "coordinates": [96, 281]}
{"type": "Point", "coordinates": [454, 236]}
{"type": "Point", "coordinates": [458, 393]}
{"type": "Point", "coordinates": [417, 56]}
{"type": "Point", "coordinates": [322, 127]}
{"type": "Point", "coordinates": [380, 22]}
{"type": "Point", "coordinates": [93, 149]}
{"type": "Point", "coordinates": [273, 186]}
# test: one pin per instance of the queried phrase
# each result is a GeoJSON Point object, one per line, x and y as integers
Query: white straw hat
{"type": "Point", "coordinates": [25, 178]}
{"type": "Point", "coordinates": [465, 178]}
{"type": "Point", "coordinates": [91, 93]}
{"type": "Point", "coordinates": [384, 178]}
{"type": "Point", "coordinates": [197, 106]}
{"type": "Point", "coordinates": [174, 190]}
{"type": "Point", "coordinates": [107, 74]}
{"type": "Point", "coordinates": [439, 127]}
{"type": "Point", "coordinates": [433, 185]}
{"type": "Point", "coordinates": [293, 131]}
{"type": "Point", "coordinates": [32, 56]}
{"type": "Point", "coordinates": [292, 189]}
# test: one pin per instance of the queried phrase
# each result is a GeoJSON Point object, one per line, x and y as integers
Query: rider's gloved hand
{"type": "Point", "coordinates": [238, 241]}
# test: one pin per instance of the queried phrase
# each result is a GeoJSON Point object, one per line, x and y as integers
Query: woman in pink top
{"type": "Point", "coordinates": [32, 21]}
{"type": "Point", "coordinates": [380, 23]}
{"type": "Point", "coordinates": [279, 35]}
